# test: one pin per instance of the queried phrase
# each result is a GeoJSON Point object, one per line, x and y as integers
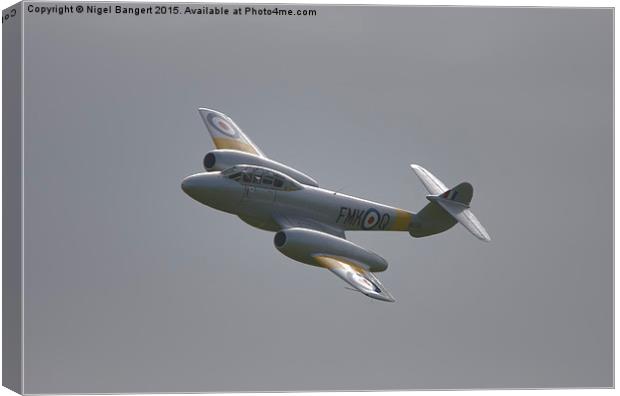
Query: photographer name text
{"type": "Point", "coordinates": [163, 9]}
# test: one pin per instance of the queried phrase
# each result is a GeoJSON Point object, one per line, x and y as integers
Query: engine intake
{"type": "Point", "coordinates": [209, 161]}
{"type": "Point", "coordinates": [280, 239]}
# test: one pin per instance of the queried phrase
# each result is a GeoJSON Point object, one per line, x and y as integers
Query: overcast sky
{"type": "Point", "coordinates": [133, 286]}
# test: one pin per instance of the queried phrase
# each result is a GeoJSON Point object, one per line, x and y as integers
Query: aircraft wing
{"type": "Point", "coordinates": [346, 268]}
{"type": "Point", "coordinates": [226, 134]}
{"type": "Point", "coordinates": [359, 278]}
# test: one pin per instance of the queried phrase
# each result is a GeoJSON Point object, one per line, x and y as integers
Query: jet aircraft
{"type": "Point", "coordinates": [310, 221]}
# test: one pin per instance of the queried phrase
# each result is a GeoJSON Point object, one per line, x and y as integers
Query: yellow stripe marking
{"type": "Point", "coordinates": [232, 144]}
{"type": "Point", "coordinates": [401, 222]}
{"type": "Point", "coordinates": [328, 262]}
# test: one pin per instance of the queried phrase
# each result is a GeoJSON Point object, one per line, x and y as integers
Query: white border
{"type": "Point", "coordinates": [481, 3]}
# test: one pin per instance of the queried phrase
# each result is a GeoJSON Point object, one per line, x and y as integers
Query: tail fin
{"type": "Point", "coordinates": [446, 208]}
{"type": "Point", "coordinates": [462, 193]}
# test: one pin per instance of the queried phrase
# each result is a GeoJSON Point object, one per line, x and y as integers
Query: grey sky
{"type": "Point", "coordinates": [133, 286]}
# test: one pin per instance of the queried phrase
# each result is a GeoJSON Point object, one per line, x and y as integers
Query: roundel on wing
{"type": "Point", "coordinates": [222, 125]}
{"type": "Point", "coordinates": [364, 282]}
{"type": "Point", "coordinates": [361, 281]}
{"type": "Point", "coordinates": [371, 219]}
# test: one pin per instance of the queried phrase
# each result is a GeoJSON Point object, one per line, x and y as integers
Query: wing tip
{"type": "Point", "coordinates": [205, 111]}
{"type": "Point", "coordinates": [202, 110]}
{"type": "Point", "coordinates": [385, 297]}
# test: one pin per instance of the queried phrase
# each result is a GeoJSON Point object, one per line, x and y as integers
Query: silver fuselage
{"type": "Point", "coordinates": [271, 209]}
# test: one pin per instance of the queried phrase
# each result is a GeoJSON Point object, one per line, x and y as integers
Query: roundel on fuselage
{"type": "Point", "coordinates": [371, 219]}
{"type": "Point", "coordinates": [222, 125]}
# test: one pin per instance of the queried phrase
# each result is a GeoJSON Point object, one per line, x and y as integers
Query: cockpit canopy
{"type": "Point", "coordinates": [261, 177]}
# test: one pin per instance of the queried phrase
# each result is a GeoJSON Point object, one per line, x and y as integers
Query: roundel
{"type": "Point", "coordinates": [364, 283]}
{"type": "Point", "coordinates": [361, 281]}
{"type": "Point", "coordinates": [371, 219]}
{"type": "Point", "coordinates": [222, 125]}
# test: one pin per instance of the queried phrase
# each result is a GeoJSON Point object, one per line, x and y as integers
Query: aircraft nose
{"type": "Point", "coordinates": [200, 186]}
{"type": "Point", "coordinates": [191, 184]}
{"type": "Point", "coordinates": [213, 190]}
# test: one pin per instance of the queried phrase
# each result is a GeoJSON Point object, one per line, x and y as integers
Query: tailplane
{"type": "Point", "coordinates": [446, 208]}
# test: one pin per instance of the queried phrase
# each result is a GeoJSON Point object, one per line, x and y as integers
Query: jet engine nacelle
{"type": "Point", "coordinates": [301, 244]}
{"type": "Point", "coordinates": [218, 160]}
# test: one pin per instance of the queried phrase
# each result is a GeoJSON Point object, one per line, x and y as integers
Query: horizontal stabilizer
{"type": "Point", "coordinates": [432, 184]}
{"type": "Point", "coordinates": [454, 202]}
{"type": "Point", "coordinates": [463, 215]}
